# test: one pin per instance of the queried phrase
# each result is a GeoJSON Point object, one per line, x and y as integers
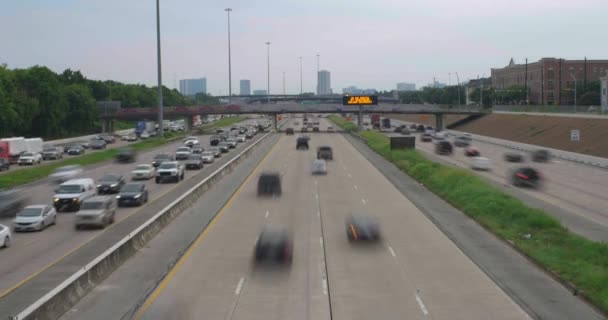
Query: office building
{"type": "Point", "coordinates": [404, 86]}
{"type": "Point", "coordinates": [355, 90]}
{"type": "Point", "coordinates": [549, 80]}
{"type": "Point", "coordinates": [190, 87]}
{"type": "Point", "coordinates": [437, 85]}
{"type": "Point", "coordinates": [323, 82]}
{"type": "Point", "coordinates": [260, 92]}
{"type": "Point", "coordinates": [245, 87]}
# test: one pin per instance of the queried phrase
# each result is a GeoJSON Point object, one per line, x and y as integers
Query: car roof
{"type": "Point", "coordinates": [99, 199]}
{"type": "Point", "coordinates": [78, 181]}
{"type": "Point", "coordinates": [36, 206]}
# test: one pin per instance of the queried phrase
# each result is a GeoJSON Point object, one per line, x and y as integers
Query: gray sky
{"type": "Point", "coordinates": [367, 43]}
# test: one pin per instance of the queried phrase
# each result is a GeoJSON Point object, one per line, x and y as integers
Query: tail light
{"type": "Point", "coordinates": [521, 175]}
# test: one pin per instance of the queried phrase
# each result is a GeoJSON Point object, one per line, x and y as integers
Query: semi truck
{"type": "Point", "coordinates": [34, 145]}
{"type": "Point", "coordinates": [376, 121]}
{"type": "Point", "coordinates": [11, 148]}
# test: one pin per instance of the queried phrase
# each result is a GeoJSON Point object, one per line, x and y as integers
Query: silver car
{"type": "Point", "coordinates": [65, 173]}
{"type": "Point", "coordinates": [319, 166]}
{"type": "Point", "coordinates": [35, 218]}
{"type": "Point", "coordinates": [208, 156]}
{"type": "Point", "coordinates": [98, 211]}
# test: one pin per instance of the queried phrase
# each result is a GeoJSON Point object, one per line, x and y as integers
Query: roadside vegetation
{"type": "Point", "coordinates": [574, 259]}
{"type": "Point", "coordinates": [224, 122]}
{"type": "Point", "coordinates": [343, 123]}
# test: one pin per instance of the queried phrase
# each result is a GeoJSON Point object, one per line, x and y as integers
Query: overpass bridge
{"type": "Point", "coordinates": [140, 114]}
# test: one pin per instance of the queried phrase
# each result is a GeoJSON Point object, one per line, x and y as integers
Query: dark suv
{"type": "Point", "coordinates": [289, 131]}
{"type": "Point", "coordinates": [269, 184]}
{"type": "Point", "coordinates": [302, 143]}
{"type": "Point", "coordinates": [526, 177]}
{"type": "Point", "coordinates": [325, 152]}
{"type": "Point", "coordinates": [443, 147]}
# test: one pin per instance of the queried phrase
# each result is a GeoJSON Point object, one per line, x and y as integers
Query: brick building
{"type": "Point", "coordinates": [550, 80]}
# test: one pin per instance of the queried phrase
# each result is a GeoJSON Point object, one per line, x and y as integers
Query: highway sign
{"type": "Point", "coordinates": [359, 100]}
{"type": "Point", "coordinates": [575, 135]}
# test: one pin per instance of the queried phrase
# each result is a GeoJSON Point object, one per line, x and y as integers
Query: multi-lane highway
{"type": "Point", "coordinates": [33, 252]}
{"type": "Point", "coordinates": [415, 272]}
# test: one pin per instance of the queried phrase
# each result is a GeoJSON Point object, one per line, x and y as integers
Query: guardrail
{"type": "Point", "coordinates": [57, 301]}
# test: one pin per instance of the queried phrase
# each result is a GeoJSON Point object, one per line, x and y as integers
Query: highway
{"type": "Point", "coordinates": [33, 252]}
{"type": "Point", "coordinates": [415, 272]}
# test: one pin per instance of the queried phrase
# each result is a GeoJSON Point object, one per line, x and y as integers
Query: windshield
{"type": "Point", "coordinates": [66, 169]}
{"type": "Point", "coordinates": [183, 150]}
{"type": "Point", "coordinates": [132, 187]}
{"type": "Point", "coordinates": [166, 165]}
{"type": "Point", "coordinates": [109, 178]}
{"type": "Point", "coordinates": [69, 188]}
{"type": "Point", "coordinates": [91, 205]}
{"type": "Point", "coordinates": [162, 157]}
{"type": "Point", "coordinates": [143, 167]}
{"type": "Point", "coordinates": [194, 157]}
{"type": "Point", "coordinates": [207, 154]}
{"type": "Point", "coordinates": [27, 154]}
{"type": "Point", "coordinates": [30, 212]}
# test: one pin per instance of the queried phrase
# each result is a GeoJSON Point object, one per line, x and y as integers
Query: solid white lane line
{"type": "Point", "coordinates": [349, 175]}
{"type": "Point", "coordinates": [325, 286]}
{"type": "Point", "coordinates": [239, 286]}
{"type": "Point", "coordinates": [267, 214]}
{"type": "Point", "coordinates": [390, 249]}
{"type": "Point", "coordinates": [318, 213]}
{"type": "Point", "coordinates": [317, 196]}
{"type": "Point", "coordinates": [363, 201]}
{"type": "Point", "coordinates": [421, 304]}
{"type": "Point", "coordinates": [356, 187]}
{"type": "Point", "coordinates": [321, 241]}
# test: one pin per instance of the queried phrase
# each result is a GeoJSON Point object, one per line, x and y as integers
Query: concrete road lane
{"type": "Point", "coordinates": [414, 273]}
{"type": "Point", "coordinates": [31, 252]}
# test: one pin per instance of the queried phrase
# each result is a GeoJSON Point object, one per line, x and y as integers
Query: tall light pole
{"type": "Point", "coordinates": [160, 75]}
{"type": "Point", "coordinates": [301, 91]}
{"type": "Point", "coordinates": [283, 82]}
{"type": "Point", "coordinates": [228, 10]}
{"type": "Point", "coordinates": [458, 79]}
{"type": "Point", "coordinates": [573, 77]}
{"type": "Point", "coordinates": [318, 58]}
{"type": "Point", "coordinates": [268, 57]}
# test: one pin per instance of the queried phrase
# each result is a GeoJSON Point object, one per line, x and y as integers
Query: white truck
{"type": "Point", "coordinates": [12, 148]}
{"type": "Point", "coordinates": [34, 145]}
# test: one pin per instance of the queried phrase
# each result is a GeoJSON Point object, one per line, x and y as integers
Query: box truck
{"type": "Point", "coordinates": [11, 148]}
{"type": "Point", "coordinates": [34, 145]}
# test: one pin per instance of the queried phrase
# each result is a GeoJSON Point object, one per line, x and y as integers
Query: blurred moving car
{"type": "Point", "coordinates": [70, 194]}
{"type": "Point", "coordinates": [426, 137]}
{"type": "Point", "coordinates": [513, 157]}
{"type": "Point", "coordinates": [197, 149]}
{"type": "Point", "coordinates": [132, 194]}
{"type": "Point", "coordinates": [462, 141]}
{"type": "Point", "coordinates": [319, 166]}
{"type": "Point", "coordinates": [144, 135]}
{"type": "Point", "coordinates": [208, 157]}
{"type": "Point", "coordinates": [330, 129]}
{"type": "Point", "coordinates": [481, 163]}
{"type": "Point", "coordinates": [110, 183]}
{"type": "Point", "coordinates": [194, 161]}
{"type": "Point", "coordinates": [274, 245]}
{"type": "Point", "coordinates": [5, 236]}
{"type": "Point", "coordinates": [231, 143]}
{"type": "Point", "coordinates": [526, 177]}
{"type": "Point", "coordinates": [108, 138]}
{"type": "Point", "coordinates": [214, 140]}
{"type": "Point", "coordinates": [11, 201]}
{"type": "Point", "coordinates": [160, 158]}
{"type": "Point", "coordinates": [29, 158]}
{"type": "Point", "coordinates": [241, 138]}
{"type": "Point", "coordinates": [301, 143]}
{"type": "Point", "coordinates": [362, 227]}
{"type": "Point", "coordinates": [132, 137]}
{"type": "Point", "coordinates": [315, 129]}
{"type": "Point", "coordinates": [35, 218]}
{"type": "Point", "coordinates": [304, 129]}
{"type": "Point", "coordinates": [439, 136]}
{"type": "Point", "coordinates": [99, 144]}
{"type": "Point", "coordinates": [269, 184]}
{"type": "Point", "coordinates": [216, 151]}
{"type": "Point", "coordinates": [143, 172]}
{"type": "Point", "coordinates": [66, 173]}
{"type": "Point", "coordinates": [325, 152]}
{"type": "Point", "coordinates": [540, 155]}
{"type": "Point", "coordinates": [224, 147]}
{"type": "Point", "coordinates": [75, 150]}
{"type": "Point", "coordinates": [420, 128]}
{"type": "Point", "coordinates": [4, 164]}
{"type": "Point", "coordinates": [443, 147]}
{"type": "Point", "coordinates": [289, 131]}
{"type": "Point", "coordinates": [98, 211]}
{"type": "Point", "coordinates": [126, 155]}
{"type": "Point", "coordinates": [472, 152]}
{"type": "Point", "coordinates": [191, 142]}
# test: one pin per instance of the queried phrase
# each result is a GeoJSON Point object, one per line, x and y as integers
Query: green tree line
{"type": "Point", "coordinates": [37, 102]}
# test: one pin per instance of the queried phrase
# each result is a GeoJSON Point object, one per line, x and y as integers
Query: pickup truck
{"type": "Point", "coordinates": [51, 152]}
{"type": "Point", "coordinates": [170, 170]}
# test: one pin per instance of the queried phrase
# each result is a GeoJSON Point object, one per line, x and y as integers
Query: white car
{"type": "Point", "coordinates": [29, 158]}
{"type": "Point", "coordinates": [481, 163]}
{"type": "Point", "coordinates": [144, 135]}
{"type": "Point", "coordinates": [183, 153]}
{"type": "Point", "coordinates": [241, 138]}
{"type": "Point", "coordinates": [5, 236]}
{"type": "Point", "coordinates": [191, 142]}
{"type": "Point", "coordinates": [65, 173]}
{"type": "Point", "coordinates": [208, 156]}
{"type": "Point", "coordinates": [170, 170]}
{"type": "Point", "coordinates": [319, 166]}
{"type": "Point", "coordinates": [143, 172]}
{"type": "Point", "coordinates": [35, 218]}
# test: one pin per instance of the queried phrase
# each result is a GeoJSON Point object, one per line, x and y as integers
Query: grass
{"type": "Point", "coordinates": [21, 177]}
{"type": "Point", "coordinates": [577, 260]}
{"type": "Point", "coordinates": [343, 123]}
{"type": "Point", "coordinates": [225, 122]}
{"type": "Point", "coordinates": [123, 125]}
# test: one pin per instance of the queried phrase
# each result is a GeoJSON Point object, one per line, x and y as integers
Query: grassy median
{"type": "Point", "coordinates": [21, 177]}
{"type": "Point", "coordinates": [577, 260]}
{"type": "Point", "coordinates": [224, 122]}
{"type": "Point", "coordinates": [343, 123]}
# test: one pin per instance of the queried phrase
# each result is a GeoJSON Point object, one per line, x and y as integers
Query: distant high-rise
{"type": "Point", "coordinates": [323, 82]}
{"type": "Point", "coordinates": [437, 85]}
{"type": "Point", "coordinates": [245, 87]}
{"type": "Point", "coordinates": [404, 86]}
{"type": "Point", "coordinates": [190, 87]}
{"type": "Point", "coordinates": [259, 92]}
{"type": "Point", "coordinates": [355, 90]}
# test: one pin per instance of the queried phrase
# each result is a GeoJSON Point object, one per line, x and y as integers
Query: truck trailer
{"type": "Point", "coordinates": [11, 148]}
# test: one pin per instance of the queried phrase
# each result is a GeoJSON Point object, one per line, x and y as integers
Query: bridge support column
{"type": "Point", "coordinates": [188, 124]}
{"type": "Point", "coordinates": [274, 122]}
{"type": "Point", "coordinates": [360, 119]}
{"type": "Point", "coordinates": [439, 122]}
{"type": "Point", "coordinates": [107, 125]}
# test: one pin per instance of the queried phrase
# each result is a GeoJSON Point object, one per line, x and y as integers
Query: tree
{"type": "Point", "coordinates": [81, 111]}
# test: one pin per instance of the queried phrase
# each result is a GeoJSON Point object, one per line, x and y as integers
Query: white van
{"type": "Point", "coordinates": [70, 194]}
{"type": "Point", "coordinates": [481, 163]}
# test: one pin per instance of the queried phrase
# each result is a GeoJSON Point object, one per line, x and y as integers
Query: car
{"type": "Point", "coordinates": [250, 133]}
{"type": "Point", "coordinates": [398, 129]}
{"type": "Point", "coordinates": [110, 183]}
{"type": "Point", "coordinates": [330, 129]}
{"type": "Point", "coordinates": [234, 129]}
{"type": "Point", "coordinates": [144, 135]}
{"type": "Point", "coordinates": [169, 170]}
{"type": "Point", "coordinates": [98, 144]}
{"type": "Point", "coordinates": [197, 149]}
{"type": "Point", "coordinates": [208, 157]}
{"type": "Point", "coordinates": [439, 136]}
{"type": "Point", "coordinates": [126, 155]}
{"type": "Point", "coordinates": [541, 155]}
{"type": "Point", "coordinates": [273, 245]}
{"type": "Point", "coordinates": [98, 211]}
{"type": "Point", "coordinates": [319, 166]}
{"type": "Point", "coordinates": [224, 136]}
{"type": "Point", "coordinates": [462, 141]}
{"type": "Point", "coordinates": [325, 152]}
{"type": "Point", "coordinates": [526, 177]}
{"type": "Point", "coordinates": [216, 151]}
{"type": "Point", "coordinates": [214, 140]}
{"type": "Point", "coordinates": [241, 138]}
{"type": "Point", "coordinates": [70, 194]}
{"type": "Point", "coordinates": [443, 147]}
{"type": "Point", "coordinates": [513, 157]}
{"type": "Point", "coordinates": [35, 218]}
{"type": "Point", "coordinates": [219, 130]}
{"type": "Point", "coordinates": [194, 161]}
{"type": "Point", "coordinates": [481, 163]}
{"type": "Point", "coordinates": [5, 164]}
{"type": "Point", "coordinates": [304, 129]}
{"type": "Point", "coordinates": [405, 131]}
{"type": "Point", "coordinates": [51, 153]}
{"type": "Point", "coordinates": [65, 173]}
{"type": "Point", "coordinates": [191, 142]}
{"type": "Point", "coordinates": [302, 143]}
{"type": "Point", "coordinates": [231, 143]}
{"type": "Point", "coordinates": [160, 158]}
{"type": "Point", "coordinates": [426, 137]}
{"type": "Point", "coordinates": [83, 144]}
{"type": "Point", "coordinates": [269, 184]}
{"type": "Point", "coordinates": [189, 138]}
{"type": "Point", "coordinates": [362, 227]}
{"type": "Point", "coordinates": [315, 129]}
{"type": "Point", "coordinates": [5, 236]}
{"type": "Point", "coordinates": [124, 137]}
{"type": "Point", "coordinates": [75, 150]}
{"type": "Point", "coordinates": [224, 147]}
{"type": "Point", "coordinates": [472, 152]}
{"type": "Point", "coordinates": [413, 126]}
{"type": "Point", "coordinates": [143, 172]}
{"type": "Point", "coordinates": [130, 138]}
{"type": "Point", "coordinates": [420, 128]}
{"type": "Point", "coordinates": [183, 153]}
{"type": "Point", "coordinates": [133, 193]}
{"type": "Point", "coordinates": [108, 138]}
{"type": "Point", "coordinates": [242, 130]}
{"type": "Point", "coordinates": [11, 201]}
{"type": "Point", "coordinates": [289, 131]}
{"type": "Point", "coordinates": [29, 158]}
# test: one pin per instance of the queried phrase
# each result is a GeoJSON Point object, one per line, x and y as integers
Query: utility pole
{"type": "Point", "coordinates": [228, 10]}
{"type": "Point", "coordinates": [458, 79]}
{"type": "Point", "coordinates": [318, 89]}
{"type": "Point", "coordinates": [301, 91]}
{"type": "Point", "coordinates": [434, 83]}
{"type": "Point", "coordinates": [480, 92]}
{"type": "Point", "coordinates": [283, 82]}
{"type": "Point", "coordinates": [268, 57]}
{"type": "Point", "coordinates": [160, 75]}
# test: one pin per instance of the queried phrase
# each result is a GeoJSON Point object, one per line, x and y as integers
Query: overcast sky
{"type": "Point", "coordinates": [366, 43]}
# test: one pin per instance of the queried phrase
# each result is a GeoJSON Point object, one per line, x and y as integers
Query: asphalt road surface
{"type": "Point", "coordinates": [32, 252]}
{"type": "Point", "coordinates": [415, 272]}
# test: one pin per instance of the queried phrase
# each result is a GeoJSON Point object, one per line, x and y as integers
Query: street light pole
{"type": "Point", "coordinates": [573, 77]}
{"type": "Point", "coordinates": [301, 91]}
{"type": "Point", "coordinates": [160, 76]}
{"type": "Point", "coordinates": [318, 89]}
{"type": "Point", "coordinates": [268, 56]}
{"type": "Point", "coordinates": [458, 79]}
{"type": "Point", "coordinates": [283, 82]}
{"type": "Point", "coordinates": [228, 10]}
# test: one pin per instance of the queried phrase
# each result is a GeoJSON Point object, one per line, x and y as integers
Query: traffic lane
{"type": "Point", "coordinates": [218, 279]}
{"type": "Point", "coordinates": [576, 193]}
{"type": "Point", "coordinates": [33, 251]}
{"type": "Point", "coordinates": [415, 271]}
